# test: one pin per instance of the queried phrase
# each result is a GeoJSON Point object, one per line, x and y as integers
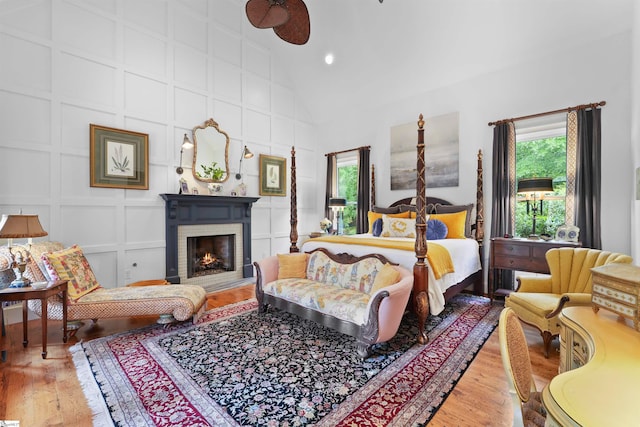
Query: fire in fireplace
{"type": "Point", "coordinates": [210, 255]}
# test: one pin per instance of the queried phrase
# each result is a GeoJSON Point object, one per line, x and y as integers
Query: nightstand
{"type": "Point", "coordinates": [521, 255]}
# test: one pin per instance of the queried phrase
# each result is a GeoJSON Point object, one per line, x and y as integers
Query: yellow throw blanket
{"type": "Point", "coordinates": [438, 256]}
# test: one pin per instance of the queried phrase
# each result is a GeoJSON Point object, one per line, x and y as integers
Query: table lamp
{"type": "Point", "coordinates": [19, 227]}
{"type": "Point", "coordinates": [535, 187]}
{"type": "Point", "coordinates": [337, 206]}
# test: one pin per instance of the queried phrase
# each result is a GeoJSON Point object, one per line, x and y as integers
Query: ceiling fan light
{"type": "Point", "coordinates": [266, 14]}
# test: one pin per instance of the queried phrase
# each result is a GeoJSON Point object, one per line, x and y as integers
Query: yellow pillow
{"type": "Point", "coordinates": [386, 276]}
{"type": "Point", "coordinates": [292, 266]}
{"type": "Point", "coordinates": [375, 215]}
{"type": "Point", "coordinates": [71, 265]}
{"type": "Point", "coordinates": [455, 223]}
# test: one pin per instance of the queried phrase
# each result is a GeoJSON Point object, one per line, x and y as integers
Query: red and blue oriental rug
{"type": "Point", "coordinates": [239, 367]}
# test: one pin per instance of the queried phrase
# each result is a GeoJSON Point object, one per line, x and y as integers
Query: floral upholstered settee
{"type": "Point", "coordinates": [364, 297]}
{"type": "Point", "coordinates": [87, 299]}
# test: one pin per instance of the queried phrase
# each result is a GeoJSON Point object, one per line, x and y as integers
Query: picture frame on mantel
{"type": "Point", "coordinates": [273, 176]}
{"type": "Point", "coordinates": [119, 158]}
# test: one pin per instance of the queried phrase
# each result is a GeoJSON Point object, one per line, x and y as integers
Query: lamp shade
{"type": "Point", "coordinates": [337, 203]}
{"type": "Point", "coordinates": [533, 185]}
{"type": "Point", "coordinates": [247, 154]}
{"type": "Point", "coordinates": [186, 142]}
{"type": "Point", "coordinates": [20, 226]}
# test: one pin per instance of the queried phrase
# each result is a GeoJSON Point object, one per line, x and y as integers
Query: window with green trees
{"type": "Point", "coordinates": [542, 157]}
{"type": "Point", "coordinates": [348, 189]}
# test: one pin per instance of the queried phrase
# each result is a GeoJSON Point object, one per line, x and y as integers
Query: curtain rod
{"type": "Point", "coordinates": [346, 151]}
{"type": "Point", "coordinates": [563, 110]}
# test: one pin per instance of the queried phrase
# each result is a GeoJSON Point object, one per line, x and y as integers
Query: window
{"type": "Point", "coordinates": [541, 151]}
{"type": "Point", "coordinates": [347, 188]}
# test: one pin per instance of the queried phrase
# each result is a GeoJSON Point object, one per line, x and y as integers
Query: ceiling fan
{"type": "Point", "coordinates": [288, 18]}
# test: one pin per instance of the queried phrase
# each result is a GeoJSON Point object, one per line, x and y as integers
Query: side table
{"type": "Point", "coordinates": [521, 255]}
{"type": "Point", "coordinates": [24, 294]}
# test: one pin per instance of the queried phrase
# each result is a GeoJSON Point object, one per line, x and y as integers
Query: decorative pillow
{"type": "Point", "coordinates": [455, 223]}
{"type": "Point", "coordinates": [374, 215]}
{"type": "Point", "coordinates": [377, 227]}
{"type": "Point", "coordinates": [386, 276]}
{"type": "Point", "coordinates": [292, 266]}
{"type": "Point", "coordinates": [70, 264]}
{"type": "Point", "coordinates": [443, 209]}
{"type": "Point", "coordinates": [378, 209]}
{"type": "Point", "coordinates": [398, 227]}
{"type": "Point", "coordinates": [436, 229]}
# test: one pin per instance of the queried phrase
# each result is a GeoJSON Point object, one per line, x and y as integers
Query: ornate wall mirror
{"type": "Point", "coordinates": [210, 153]}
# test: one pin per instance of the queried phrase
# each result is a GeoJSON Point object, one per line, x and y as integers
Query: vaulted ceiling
{"type": "Point", "coordinates": [392, 50]}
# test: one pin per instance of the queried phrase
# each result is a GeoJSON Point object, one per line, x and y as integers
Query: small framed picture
{"type": "Point", "coordinates": [273, 176]}
{"type": "Point", "coordinates": [184, 186]}
{"type": "Point", "coordinates": [194, 190]}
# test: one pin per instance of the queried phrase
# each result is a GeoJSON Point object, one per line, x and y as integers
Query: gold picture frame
{"type": "Point", "coordinates": [273, 176]}
{"type": "Point", "coordinates": [119, 158]}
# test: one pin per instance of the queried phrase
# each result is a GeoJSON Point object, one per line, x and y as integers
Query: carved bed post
{"type": "Point", "coordinates": [479, 202]}
{"type": "Point", "coordinates": [293, 220]}
{"type": "Point", "coordinates": [373, 186]}
{"type": "Point", "coordinates": [420, 269]}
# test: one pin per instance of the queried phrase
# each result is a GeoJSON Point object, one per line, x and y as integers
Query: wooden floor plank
{"type": "Point", "coordinates": [47, 392]}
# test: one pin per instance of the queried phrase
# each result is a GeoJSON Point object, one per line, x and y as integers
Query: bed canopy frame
{"type": "Point", "coordinates": [420, 298]}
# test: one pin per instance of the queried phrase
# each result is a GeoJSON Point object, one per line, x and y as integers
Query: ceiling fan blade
{"type": "Point", "coordinates": [266, 14]}
{"type": "Point", "coordinates": [298, 28]}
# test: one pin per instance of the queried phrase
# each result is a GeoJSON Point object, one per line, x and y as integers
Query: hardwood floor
{"type": "Point", "coordinates": [41, 392]}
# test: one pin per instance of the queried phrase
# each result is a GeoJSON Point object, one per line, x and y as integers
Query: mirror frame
{"type": "Point", "coordinates": [213, 124]}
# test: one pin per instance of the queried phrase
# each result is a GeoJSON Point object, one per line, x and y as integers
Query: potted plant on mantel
{"type": "Point", "coordinates": [215, 173]}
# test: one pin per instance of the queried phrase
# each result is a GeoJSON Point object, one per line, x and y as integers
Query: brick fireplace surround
{"type": "Point", "coordinates": [201, 210]}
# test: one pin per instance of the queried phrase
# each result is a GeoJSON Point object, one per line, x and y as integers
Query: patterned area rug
{"type": "Point", "coordinates": [239, 367]}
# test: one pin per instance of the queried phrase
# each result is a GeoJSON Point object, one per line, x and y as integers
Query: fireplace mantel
{"type": "Point", "coordinates": [191, 209]}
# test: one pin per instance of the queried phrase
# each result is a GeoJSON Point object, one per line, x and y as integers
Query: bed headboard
{"type": "Point", "coordinates": [430, 200]}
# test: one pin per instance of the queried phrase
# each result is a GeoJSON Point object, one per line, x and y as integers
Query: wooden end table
{"type": "Point", "coordinates": [24, 294]}
{"type": "Point", "coordinates": [519, 254]}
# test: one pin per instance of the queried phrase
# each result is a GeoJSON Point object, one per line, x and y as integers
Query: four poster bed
{"type": "Point", "coordinates": [430, 289]}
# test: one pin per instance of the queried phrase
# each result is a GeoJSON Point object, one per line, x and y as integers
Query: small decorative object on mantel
{"type": "Point", "coordinates": [184, 186]}
{"type": "Point", "coordinates": [214, 188]}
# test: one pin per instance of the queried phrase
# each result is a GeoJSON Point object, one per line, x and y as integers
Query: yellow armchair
{"type": "Point", "coordinates": [538, 300]}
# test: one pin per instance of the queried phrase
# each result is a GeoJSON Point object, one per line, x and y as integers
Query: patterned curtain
{"type": "Point", "coordinates": [588, 190]}
{"type": "Point", "coordinates": [504, 189]}
{"type": "Point", "coordinates": [362, 221]}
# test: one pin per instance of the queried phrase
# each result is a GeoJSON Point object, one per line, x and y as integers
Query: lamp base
{"type": "Point", "coordinates": [20, 283]}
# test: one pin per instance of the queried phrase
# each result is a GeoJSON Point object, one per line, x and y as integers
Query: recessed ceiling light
{"type": "Point", "coordinates": [328, 59]}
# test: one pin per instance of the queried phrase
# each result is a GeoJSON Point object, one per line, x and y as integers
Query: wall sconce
{"type": "Point", "coordinates": [337, 206]}
{"type": "Point", "coordinates": [186, 143]}
{"type": "Point", "coordinates": [18, 227]}
{"type": "Point", "coordinates": [533, 187]}
{"type": "Point", "coordinates": [246, 154]}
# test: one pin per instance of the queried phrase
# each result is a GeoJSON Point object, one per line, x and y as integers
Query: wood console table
{"type": "Point", "coordinates": [25, 294]}
{"type": "Point", "coordinates": [603, 392]}
{"type": "Point", "coordinates": [521, 255]}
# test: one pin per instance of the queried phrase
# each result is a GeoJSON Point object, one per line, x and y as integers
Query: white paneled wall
{"type": "Point", "coordinates": [159, 67]}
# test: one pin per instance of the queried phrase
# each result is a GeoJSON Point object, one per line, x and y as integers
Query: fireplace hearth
{"type": "Point", "coordinates": [208, 239]}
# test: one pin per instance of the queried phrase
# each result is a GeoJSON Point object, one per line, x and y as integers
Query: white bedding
{"type": "Point", "coordinates": [464, 254]}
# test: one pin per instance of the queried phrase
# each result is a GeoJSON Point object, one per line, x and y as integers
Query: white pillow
{"type": "Point", "coordinates": [398, 227]}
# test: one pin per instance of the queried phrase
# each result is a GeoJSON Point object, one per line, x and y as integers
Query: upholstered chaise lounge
{"type": "Point", "coordinates": [88, 300]}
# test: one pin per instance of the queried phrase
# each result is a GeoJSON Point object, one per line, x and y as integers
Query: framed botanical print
{"type": "Point", "coordinates": [273, 176]}
{"type": "Point", "coordinates": [119, 158]}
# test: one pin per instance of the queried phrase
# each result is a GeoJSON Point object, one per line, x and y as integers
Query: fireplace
{"type": "Point", "coordinates": [208, 239]}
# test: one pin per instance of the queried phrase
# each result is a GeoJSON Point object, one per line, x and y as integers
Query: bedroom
{"type": "Point", "coordinates": [148, 69]}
